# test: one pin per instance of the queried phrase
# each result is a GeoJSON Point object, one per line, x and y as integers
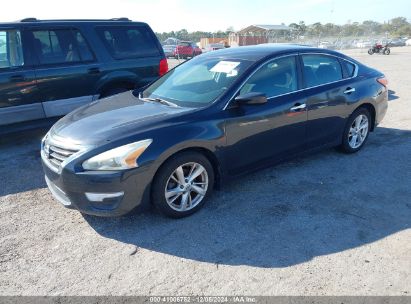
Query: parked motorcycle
{"type": "Point", "coordinates": [379, 49]}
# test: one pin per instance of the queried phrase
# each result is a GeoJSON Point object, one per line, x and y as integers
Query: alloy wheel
{"type": "Point", "coordinates": [358, 131]}
{"type": "Point", "coordinates": [186, 187]}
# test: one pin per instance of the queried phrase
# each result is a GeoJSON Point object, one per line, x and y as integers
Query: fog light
{"type": "Point", "coordinates": [100, 197]}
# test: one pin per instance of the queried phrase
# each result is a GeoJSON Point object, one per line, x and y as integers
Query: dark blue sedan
{"type": "Point", "coordinates": [208, 120]}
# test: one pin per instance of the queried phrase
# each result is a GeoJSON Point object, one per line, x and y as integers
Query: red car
{"type": "Point", "coordinates": [186, 49]}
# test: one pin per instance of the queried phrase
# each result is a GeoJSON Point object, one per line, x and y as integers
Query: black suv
{"type": "Point", "coordinates": [50, 67]}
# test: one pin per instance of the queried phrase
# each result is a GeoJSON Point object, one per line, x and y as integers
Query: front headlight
{"type": "Point", "coordinates": [121, 158]}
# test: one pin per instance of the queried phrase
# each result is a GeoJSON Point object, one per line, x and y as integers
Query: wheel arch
{"type": "Point", "coordinates": [124, 83]}
{"type": "Point", "coordinates": [371, 109]}
{"type": "Point", "coordinates": [116, 79]}
{"type": "Point", "coordinates": [211, 157]}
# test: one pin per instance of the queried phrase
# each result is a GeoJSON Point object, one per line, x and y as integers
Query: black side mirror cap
{"type": "Point", "coordinates": [252, 98]}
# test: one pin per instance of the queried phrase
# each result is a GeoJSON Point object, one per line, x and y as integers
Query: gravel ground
{"type": "Point", "coordinates": [325, 224]}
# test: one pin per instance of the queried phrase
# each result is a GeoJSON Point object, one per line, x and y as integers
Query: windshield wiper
{"type": "Point", "coordinates": [162, 101]}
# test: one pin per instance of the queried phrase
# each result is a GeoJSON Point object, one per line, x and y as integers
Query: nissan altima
{"type": "Point", "coordinates": [217, 116]}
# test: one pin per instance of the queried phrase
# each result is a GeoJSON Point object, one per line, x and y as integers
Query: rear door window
{"type": "Point", "coordinates": [321, 69]}
{"type": "Point", "coordinates": [11, 50]}
{"type": "Point", "coordinates": [61, 46]}
{"type": "Point", "coordinates": [124, 42]}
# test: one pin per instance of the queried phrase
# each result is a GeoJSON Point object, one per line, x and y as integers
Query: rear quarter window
{"type": "Point", "coordinates": [124, 42]}
{"type": "Point", "coordinates": [349, 67]}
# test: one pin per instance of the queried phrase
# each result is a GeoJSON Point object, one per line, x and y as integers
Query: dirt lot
{"type": "Point", "coordinates": [326, 224]}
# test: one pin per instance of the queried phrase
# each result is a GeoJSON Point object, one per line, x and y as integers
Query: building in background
{"type": "Point", "coordinates": [258, 34]}
{"type": "Point", "coordinates": [204, 42]}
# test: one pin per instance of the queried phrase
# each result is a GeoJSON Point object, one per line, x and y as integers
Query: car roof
{"type": "Point", "coordinates": [34, 21]}
{"type": "Point", "coordinates": [261, 51]}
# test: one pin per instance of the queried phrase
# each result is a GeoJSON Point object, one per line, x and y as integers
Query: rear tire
{"type": "Point", "coordinates": [183, 184]}
{"type": "Point", "coordinates": [356, 131]}
{"type": "Point", "coordinates": [387, 51]}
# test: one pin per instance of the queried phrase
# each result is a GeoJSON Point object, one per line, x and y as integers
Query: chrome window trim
{"type": "Point", "coordinates": [300, 90]}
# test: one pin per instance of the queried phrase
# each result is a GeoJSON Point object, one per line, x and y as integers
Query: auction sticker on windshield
{"type": "Point", "coordinates": [225, 67]}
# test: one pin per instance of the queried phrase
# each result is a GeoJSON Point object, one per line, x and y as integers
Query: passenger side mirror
{"type": "Point", "coordinates": [252, 98]}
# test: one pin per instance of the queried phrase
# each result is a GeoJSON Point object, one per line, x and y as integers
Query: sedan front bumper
{"type": "Point", "coordinates": [100, 193]}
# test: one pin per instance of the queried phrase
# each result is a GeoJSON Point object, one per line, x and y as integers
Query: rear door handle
{"type": "Point", "coordinates": [298, 107]}
{"type": "Point", "coordinates": [349, 90]}
{"type": "Point", "coordinates": [17, 78]}
{"type": "Point", "coordinates": [94, 71]}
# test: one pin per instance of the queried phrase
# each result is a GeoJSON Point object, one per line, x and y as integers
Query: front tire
{"type": "Point", "coordinates": [183, 184]}
{"type": "Point", "coordinates": [370, 51]}
{"type": "Point", "coordinates": [387, 51]}
{"type": "Point", "coordinates": [356, 131]}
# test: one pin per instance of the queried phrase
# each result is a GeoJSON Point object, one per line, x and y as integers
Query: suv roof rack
{"type": "Point", "coordinates": [31, 19]}
{"type": "Point", "coordinates": [120, 19]}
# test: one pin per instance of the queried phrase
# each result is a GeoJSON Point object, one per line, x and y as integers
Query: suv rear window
{"type": "Point", "coordinates": [128, 41]}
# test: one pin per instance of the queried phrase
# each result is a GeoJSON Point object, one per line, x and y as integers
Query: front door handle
{"type": "Point", "coordinates": [298, 107]}
{"type": "Point", "coordinates": [349, 90]}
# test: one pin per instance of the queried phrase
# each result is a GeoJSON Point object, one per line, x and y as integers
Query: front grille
{"type": "Point", "coordinates": [55, 154]}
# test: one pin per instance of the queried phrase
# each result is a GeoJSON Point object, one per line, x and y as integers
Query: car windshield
{"type": "Point", "coordinates": [197, 82]}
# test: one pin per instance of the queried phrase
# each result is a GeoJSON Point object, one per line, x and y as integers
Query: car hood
{"type": "Point", "coordinates": [112, 118]}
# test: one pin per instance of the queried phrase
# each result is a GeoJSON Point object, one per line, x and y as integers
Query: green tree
{"type": "Point", "coordinates": [371, 27]}
{"type": "Point", "coordinates": [303, 27]}
{"type": "Point", "coordinates": [399, 21]}
{"type": "Point", "coordinates": [399, 27]}
{"type": "Point", "coordinates": [316, 29]}
{"type": "Point", "coordinates": [295, 30]}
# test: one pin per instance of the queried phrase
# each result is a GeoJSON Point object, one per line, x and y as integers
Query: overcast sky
{"type": "Point", "coordinates": [210, 15]}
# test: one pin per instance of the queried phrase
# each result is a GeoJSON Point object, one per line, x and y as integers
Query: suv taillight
{"type": "Point", "coordinates": [163, 67]}
{"type": "Point", "coordinates": [383, 81]}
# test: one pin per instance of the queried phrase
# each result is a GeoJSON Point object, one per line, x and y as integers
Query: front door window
{"type": "Point", "coordinates": [275, 78]}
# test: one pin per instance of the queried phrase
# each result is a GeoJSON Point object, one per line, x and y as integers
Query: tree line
{"type": "Point", "coordinates": [396, 27]}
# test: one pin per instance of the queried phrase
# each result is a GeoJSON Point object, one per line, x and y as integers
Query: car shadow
{"type": "Point", "coordinates": [391, 95]}
{"type": "Point", "coordinates": [20, 165]}
{"type": "Point", "coordinates": [289, 214]}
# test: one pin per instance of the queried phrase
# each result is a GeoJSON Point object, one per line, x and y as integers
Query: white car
{"type": "Point", "coordinates": [365, 44]}
{"type": "Point", "coordinates": [213, 47]}
{"type": "Point", "coordinates": [324, 45]}
{"type": "Point", "coordinates": [408, 42]}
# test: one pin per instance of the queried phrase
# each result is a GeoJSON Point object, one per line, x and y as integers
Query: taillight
{"type": "Point", "coordinates": [163, 67]}
{"type": "Point", "coordinates": [383, 81]}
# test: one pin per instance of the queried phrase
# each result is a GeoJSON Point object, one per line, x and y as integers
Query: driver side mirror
{"type": "Point", "coordinates": [252, 98]}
